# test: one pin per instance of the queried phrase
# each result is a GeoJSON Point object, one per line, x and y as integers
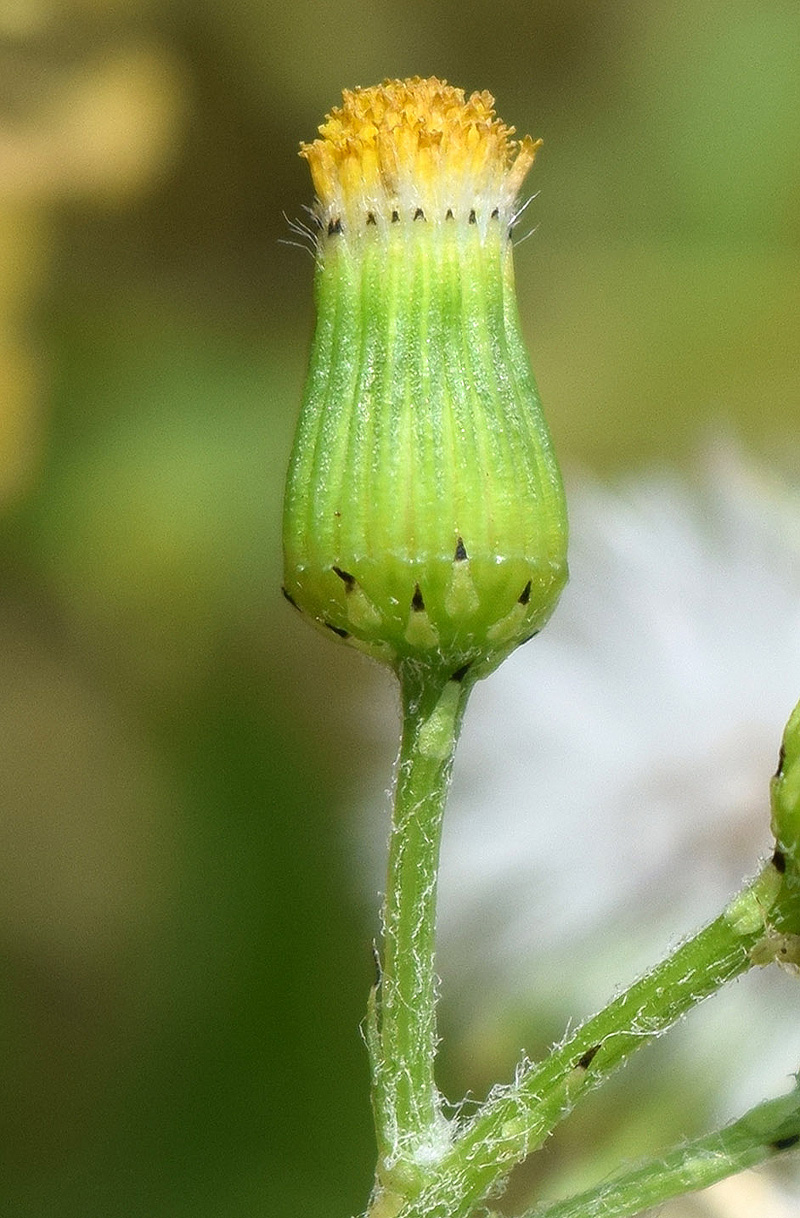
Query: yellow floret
{"type": "Point", "coordinates": [409, 146]}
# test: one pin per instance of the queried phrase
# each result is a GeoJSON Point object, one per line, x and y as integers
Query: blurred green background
{"type": "Point", "coordinates": [185, 958]}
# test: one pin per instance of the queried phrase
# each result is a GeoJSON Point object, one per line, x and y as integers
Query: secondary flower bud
{"type": "Point", "coordinates": [785, 792]}
{"type": "Point", "coordinates": [424, 515]}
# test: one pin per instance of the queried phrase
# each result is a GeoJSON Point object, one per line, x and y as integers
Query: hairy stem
{"type": "Point", "coordinates": [763, 1132]}
{"type": "Point", "coordinates": [412, 1134]}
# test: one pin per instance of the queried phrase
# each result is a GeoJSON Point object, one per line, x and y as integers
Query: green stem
{"type": "Point", "coordinates": [412, 1133]}
{"type": "Point", "coordinates": [763, 1132]}
{"type": "Point", "coordinates": [517, 1119]}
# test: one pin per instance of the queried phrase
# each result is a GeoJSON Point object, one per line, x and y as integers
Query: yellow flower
{"type": "Point", "coordinates": [411, 145]}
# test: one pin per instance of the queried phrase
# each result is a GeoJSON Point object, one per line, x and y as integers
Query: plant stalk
{"type": "Point", "coordinates": [765, 1131]}
{"type": "Point", "coordinates": [412, 1132]}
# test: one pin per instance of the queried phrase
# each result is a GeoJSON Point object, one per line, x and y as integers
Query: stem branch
{"type": "Point", "coordinates": [517, 1119]}
{"type": "Point", "coordinates": [763, 1132]}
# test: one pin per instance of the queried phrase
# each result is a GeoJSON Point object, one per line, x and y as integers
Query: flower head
{"type": "Point", "coordinates": [425, 518]}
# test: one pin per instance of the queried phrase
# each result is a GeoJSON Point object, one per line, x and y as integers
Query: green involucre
{"type": "Point", "coordinates": [424, 514]}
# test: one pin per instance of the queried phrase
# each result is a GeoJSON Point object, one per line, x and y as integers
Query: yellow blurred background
{"type": "Point", "coordinates": [185, 953]}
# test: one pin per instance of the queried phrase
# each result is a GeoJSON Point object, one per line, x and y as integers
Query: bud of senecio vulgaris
{"type": "Point", "coordinates": [424, 516]}
{"type": "Point", "coordinates": [785, 792]}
